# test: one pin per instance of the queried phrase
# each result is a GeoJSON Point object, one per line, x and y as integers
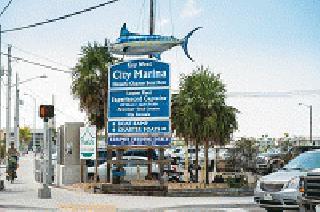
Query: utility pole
{"type": "Point", "coordinates": [8, 121]}
{"type": "Point", "coordinates": [1, 73]}
{"type": "Point", "coordinates": [16, 118]}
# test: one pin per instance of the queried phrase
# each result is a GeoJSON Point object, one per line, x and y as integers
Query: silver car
{"type": "Point", "coordinates": [280, 190]}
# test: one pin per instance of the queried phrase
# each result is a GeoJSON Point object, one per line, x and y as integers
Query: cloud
{"type": "Point", "coordinates": [190, 9]}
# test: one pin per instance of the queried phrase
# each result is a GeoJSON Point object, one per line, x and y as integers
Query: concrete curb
{"type": "Point", "coordinates": [229, 192]}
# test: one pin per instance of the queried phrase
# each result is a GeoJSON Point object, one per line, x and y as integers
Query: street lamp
{"type": "Point", "coordinates": [16, 118]}
{"type": "Point", "coordinates": [310, 108]}
{"type": "Point", "coordinates": [34, 122]}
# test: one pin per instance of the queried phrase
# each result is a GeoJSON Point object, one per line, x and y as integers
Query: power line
{"type": "Point", "coordinates": [275, 94]}
{"type": "Point", "coordinates": [38, 64]}
{"type": "Point", "coordinates": [43, 100]}
{"type": "Point", "coordinates": [5, 8]}
{"type": "Point", "coordinates": [59, 18]}
{"type": "Point", "coordinates": [40, 57]}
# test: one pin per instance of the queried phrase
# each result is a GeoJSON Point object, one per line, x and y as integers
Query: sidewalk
{"type": "Point", "coordinates": [23, 196]}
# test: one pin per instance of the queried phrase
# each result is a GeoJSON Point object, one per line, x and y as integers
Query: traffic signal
{"type": "Point", "coordinates": [46, 111]}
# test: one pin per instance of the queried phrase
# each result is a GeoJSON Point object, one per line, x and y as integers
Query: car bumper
{"type": "Point", "coordinates": [287, 199]}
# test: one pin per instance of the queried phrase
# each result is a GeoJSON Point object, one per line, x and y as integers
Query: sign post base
{"type": "Point", "coordinates": [44, 193]}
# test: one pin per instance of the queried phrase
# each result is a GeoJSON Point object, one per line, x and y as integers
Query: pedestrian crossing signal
{"type": "Point", "coordinates": [46, 111]}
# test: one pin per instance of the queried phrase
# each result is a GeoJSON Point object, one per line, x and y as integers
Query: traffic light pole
{"type": "Point", "coordinates": [45, 191]}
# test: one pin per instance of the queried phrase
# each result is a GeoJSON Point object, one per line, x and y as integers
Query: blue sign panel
{"type": "Point", "coordinates": [139, 73]}
{"type": "Point", "coordinates": [138, 127]}
{"type": "Point", "coordinates": [139, 141]}
{"type": "Point", "coordinates": [139, 103]}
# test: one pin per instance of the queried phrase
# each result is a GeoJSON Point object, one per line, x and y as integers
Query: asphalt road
{"type": "Point", "coordinates": [22, 196]}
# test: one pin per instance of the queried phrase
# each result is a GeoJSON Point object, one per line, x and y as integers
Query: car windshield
{"type": "Point", "coordinates": [308, 160]}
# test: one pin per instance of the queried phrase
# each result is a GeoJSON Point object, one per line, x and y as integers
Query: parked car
{"type": "Point", "coordinates": [131, 170]}
{"type": "Point", "coordinates": [280, 190]}
{"type": "Point", "coordinates": [269, 162]}
{"type": "Point", "coordinates": [310, 188]}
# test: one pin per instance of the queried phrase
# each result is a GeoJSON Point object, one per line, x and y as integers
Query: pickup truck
{"type": "Point", "coordinates": [310, 189]}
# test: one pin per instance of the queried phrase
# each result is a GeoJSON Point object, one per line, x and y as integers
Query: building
{"type": "Point", "coordinates": [265, 142]}
{"type": "Point", "coordinates": [3, 135]}
{"type": "Point", "coordinates": [38, 135]}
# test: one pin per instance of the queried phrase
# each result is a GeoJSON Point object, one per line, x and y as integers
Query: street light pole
{"type": "Point", "coordinates": [17, 109]}
{"type": "Point", "coordinates": [310, 107]}
{"type": "Point", "coordinates": [310, 111]}
{"type": "Point", "coordinates": [16, 118]}
{"type": "Point", "coordinates": [8, 109]}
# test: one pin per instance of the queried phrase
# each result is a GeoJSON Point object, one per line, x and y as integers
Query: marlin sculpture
{"type": "Point", "coordinates": [136, 44]}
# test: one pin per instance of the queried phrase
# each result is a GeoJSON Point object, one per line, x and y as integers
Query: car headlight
{"type": "Point", "coordinates": [293, 183]}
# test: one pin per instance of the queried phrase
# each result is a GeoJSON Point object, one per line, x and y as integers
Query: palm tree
{"type": "Point", "coordinates": [200, 113]}
{"type": "Point", "coordinates": [25, 136]}
{"type": "Point", "coordinates": [90, 82]}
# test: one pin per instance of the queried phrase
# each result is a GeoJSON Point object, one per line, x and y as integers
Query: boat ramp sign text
{"type": "Point", "coordinates": [139, 73]}
{"type": "Point", "coordinates": [138, 127]}
{"type": "Point", "coordinates": [139, 103]}
{"type": "Point", "coordinates": [139, 141]}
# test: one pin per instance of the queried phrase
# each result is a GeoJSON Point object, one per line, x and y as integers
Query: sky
{"type": "Point", "coordinates": [256, 46]}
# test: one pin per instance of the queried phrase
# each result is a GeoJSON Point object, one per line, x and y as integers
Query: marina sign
{"type": "Point", "coordinates": [139, 73]}
{"type": "Point", "coordinates": [139, 103]}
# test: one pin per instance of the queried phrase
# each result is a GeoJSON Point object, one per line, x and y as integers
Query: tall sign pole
{"type": "Point", "coordinates": [152, 29]}
{"type": "Point", "coordinates": [8, 109]}
{"type": "Point", "coordinates": [152, 19]}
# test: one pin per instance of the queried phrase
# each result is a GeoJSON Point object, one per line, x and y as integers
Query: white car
{"type": "Point", "coordinates": [280, 190]}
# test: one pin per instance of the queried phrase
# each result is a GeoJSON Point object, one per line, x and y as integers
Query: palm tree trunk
{"type": "Point", "coordinates": [206, 160]}
{"type": "Point", "coordinates": [196, 165]}
{"type": "Point", "coordinates": [109, 151]}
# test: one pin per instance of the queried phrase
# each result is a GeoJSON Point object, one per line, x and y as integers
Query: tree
{"type": "Point", "coordinates": [199, 112]}
{"type": "Point", "coordinates": [247, 151]}
{"type": "Point", "coordinates": [90, 82]}
{"type": "Point", "coordinates": [25, 136]}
